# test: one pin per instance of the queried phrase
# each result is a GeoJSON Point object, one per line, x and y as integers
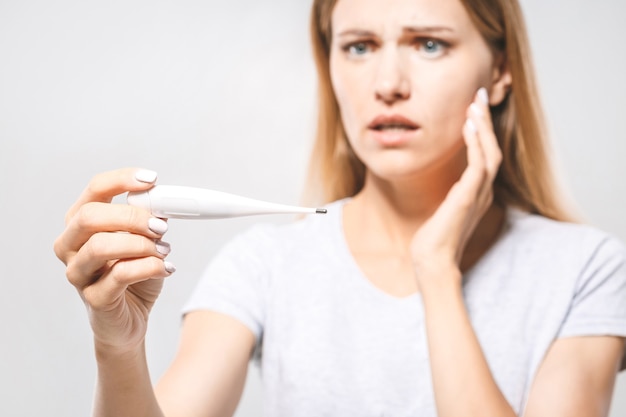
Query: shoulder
{"type": "Point", "coordinates": [561, 240]}
{"type": "Point", "coordinates": [537, 252]}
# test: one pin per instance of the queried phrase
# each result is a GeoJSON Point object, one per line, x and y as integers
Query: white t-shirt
{"type": "Point", "coordinates": [330, 343]}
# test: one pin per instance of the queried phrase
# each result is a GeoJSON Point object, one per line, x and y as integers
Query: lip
{"type": "Point", "coordinates": [392, 119]}
{"type": "Point", "coordinates": [396, 137]}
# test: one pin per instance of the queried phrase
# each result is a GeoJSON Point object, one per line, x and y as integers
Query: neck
{"type": "Point", "coordinates": [412, 199]}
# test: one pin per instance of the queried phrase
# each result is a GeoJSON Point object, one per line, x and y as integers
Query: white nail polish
{"type": "Point", "coordinates": [146, 176]}
{"type": "Point", "coordinates": [158, 226]}
{"type": "Point", "coordinates": [163, 248]}
{"type": "Point", "coordinates": [470, 125]}
{"type": "Point", "coordinates": [477, 110]}
{"type": "Point", "coordinates": [483, 95]}
{"type": "Point", "coordinates": [169, 267]}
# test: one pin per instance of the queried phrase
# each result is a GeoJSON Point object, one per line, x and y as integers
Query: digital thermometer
{"type": "Point", "coordinates": [178, 202]}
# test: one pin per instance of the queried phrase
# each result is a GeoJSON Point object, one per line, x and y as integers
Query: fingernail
{"type": "Point", "coordinates": [169, 267]}
{"type": "Point", "coordinates": [477, 110]}
{"type": "Point", "coordinates": [470, 125]}
{"type": "Point", "coordinates": [163, 248]}
{"type": "Point", "coordinates": [158, 226]}
{"type": "Point", "coordinates": [483, 95]}
{"type": "Point", "coordinates": [146, 176]}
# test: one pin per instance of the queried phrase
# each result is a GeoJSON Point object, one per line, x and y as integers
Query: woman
{"type": "Point", "coordinates": [444, 280]}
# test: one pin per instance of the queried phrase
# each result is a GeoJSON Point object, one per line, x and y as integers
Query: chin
{"type": "Point", "coordinates": [398, 168]}
{"type": "Point", "coordinates": [400, 165]}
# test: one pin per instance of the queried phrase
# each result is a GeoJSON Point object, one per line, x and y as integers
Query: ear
{"type": "Point", "coordinates": [501, 82]}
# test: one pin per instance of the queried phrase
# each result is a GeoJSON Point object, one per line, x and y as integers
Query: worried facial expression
{"type": "Point", "coordinates": [404, 73]}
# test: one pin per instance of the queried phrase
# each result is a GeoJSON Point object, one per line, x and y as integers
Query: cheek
{"type": "Point", "coordinates": [348, 92]}
{"type": "Point", "coordinates": [447, 96]}
{"type": "Point", "coordinates": [444, 113]}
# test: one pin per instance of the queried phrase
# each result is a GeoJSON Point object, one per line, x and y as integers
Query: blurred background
{"type": "Point", "coordinates": [219, 95]}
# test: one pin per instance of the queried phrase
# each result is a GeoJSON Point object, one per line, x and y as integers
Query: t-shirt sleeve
{"type": "Point", "coordinates": [235, 282]}
{"type": "Point", "coordinates": [599, 304]}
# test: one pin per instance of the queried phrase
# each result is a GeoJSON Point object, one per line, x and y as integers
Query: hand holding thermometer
{"type": "Point", "coordinates": [177, 202]}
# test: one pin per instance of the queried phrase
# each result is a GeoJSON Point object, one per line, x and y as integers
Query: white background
{"type": "Point", "coordinates": [219, 95]}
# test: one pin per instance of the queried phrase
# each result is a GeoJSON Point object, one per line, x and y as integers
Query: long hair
{"type": "Point", "coordinates": [525, 179]}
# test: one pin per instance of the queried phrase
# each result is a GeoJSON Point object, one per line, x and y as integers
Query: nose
{"type": "Point", "coordinates": [392, 81]}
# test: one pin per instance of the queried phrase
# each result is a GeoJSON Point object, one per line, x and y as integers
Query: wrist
{"type": "Point", "coordinates": [442, 287]}
{"type": "Point", "coordinates": [437, 274]}
{"type": "Point", "coordinates": [106, 352]}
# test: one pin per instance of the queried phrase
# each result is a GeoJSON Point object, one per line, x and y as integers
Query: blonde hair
{"type": "Point", "coordinates": [525, 179]}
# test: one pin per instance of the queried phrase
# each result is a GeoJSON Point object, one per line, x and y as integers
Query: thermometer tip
{"type": "Point", "coordinates": [320, 211]}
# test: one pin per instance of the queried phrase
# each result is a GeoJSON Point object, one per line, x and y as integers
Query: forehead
{"type": "Point", "coordinates": [386, 15]}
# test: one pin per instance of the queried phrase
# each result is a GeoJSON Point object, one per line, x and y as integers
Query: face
{"type": "Point", "coordinates": [404, 73]}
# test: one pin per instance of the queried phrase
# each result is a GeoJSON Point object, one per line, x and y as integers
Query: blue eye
{"type": "Point", "coordinates": [357, 48]}
{"type": "Point", "coordinates": [431, 48]}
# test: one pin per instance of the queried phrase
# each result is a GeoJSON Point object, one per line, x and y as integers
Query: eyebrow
{"type": "Point", "coordinates": [406, 29]}
{"type": "Point", "coordinates": [427, 29]}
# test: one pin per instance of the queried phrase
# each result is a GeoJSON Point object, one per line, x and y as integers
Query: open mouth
{"type": "Point", "coordinates": [393, 130]}
{"type": "Point", "coordinates": [392, 123]}
{"type": "Point", "coordinates": [393, 127]}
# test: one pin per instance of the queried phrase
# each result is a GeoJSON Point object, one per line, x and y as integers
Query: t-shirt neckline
{"type": "Point", "coordinates": [337, 207]}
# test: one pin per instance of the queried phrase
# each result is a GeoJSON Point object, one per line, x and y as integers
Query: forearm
{"type": "Point", "coordinates": [462, 381]}
{"type": "Point", "coordinates": [123, 386]}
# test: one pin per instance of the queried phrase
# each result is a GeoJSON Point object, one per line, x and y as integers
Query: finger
{"type": "Point", "coordinates": [479, 112]}
{"type": "Point", "coordinates": [487, 138]}
{"type": "Point", "coordinates": [483, 171]}
{"type": "Point", "coordinates": [103, 249]}
{"type": "Point", "coordinates": [103, 187]}
{"type": "Point", "coordinates": [480, 115]}
{"type": "Point", "coordinates": [473, 176]}
{"type": "Point", "coordinates": [105, 292]}
{"type": "Point", "coordinates": [94, 218]}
